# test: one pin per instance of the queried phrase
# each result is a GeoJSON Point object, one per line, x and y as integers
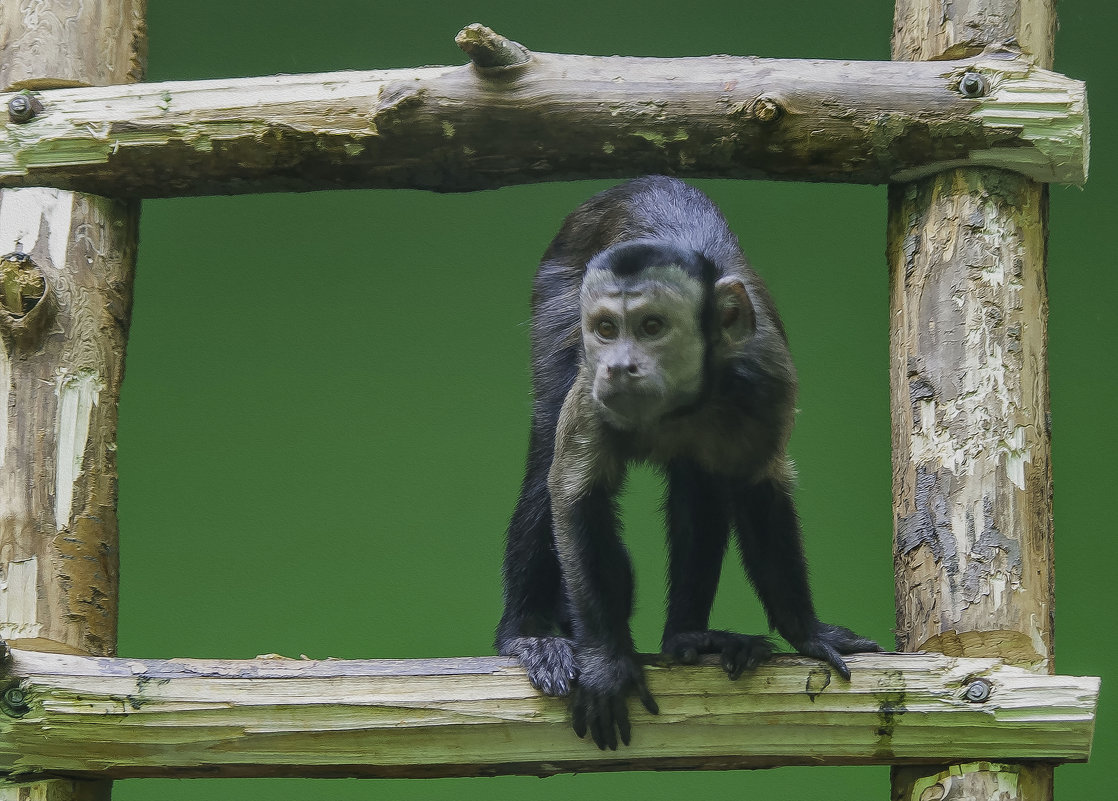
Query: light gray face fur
{"type": "Point", "coordinates": [643, 342]}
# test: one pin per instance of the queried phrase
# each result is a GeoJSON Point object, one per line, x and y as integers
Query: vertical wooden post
{"type": "Point", "coordinates": [66, 266]}
{"type": "Point", "coordinates": [972, 482]}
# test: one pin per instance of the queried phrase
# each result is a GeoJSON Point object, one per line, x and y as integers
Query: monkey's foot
{"type": "Point", "coordinates": [548, 661]}
{"type": "Point", "coordinates": [740, 652]}
{"type": "Point", "coordinates": [827, 642]}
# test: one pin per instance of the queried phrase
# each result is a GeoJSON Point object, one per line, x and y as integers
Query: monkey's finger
{"type": "Point", "coordinates": [831, 657]}
{"type": "Point", "coordinates": [601, 726]}
{"type": "Point", "coordinates": [744, 653]}
{"type": "Point", "coordinates": [578, 714]}
{"type": "Point", "coordinates": [686, 654]}
{"type": "Point", "coordinates": [733, 662]}
{"type": "Point", "coordinates": [860, 645]}
{"type": "Point", "coordinates": [846, 641]}
{"type": "Point", "coordinates": [646, 698]}
{"type": "Point", "coordinates": [620, 710]}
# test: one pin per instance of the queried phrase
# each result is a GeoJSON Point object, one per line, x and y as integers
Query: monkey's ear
{"type": "Point", "coordinates": [735, 311]}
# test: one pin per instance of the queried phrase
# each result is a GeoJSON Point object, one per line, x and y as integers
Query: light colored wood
{"type": "Point", "coordinates": [972, 781]}
{"type": "Point", "coordinates": [55, 790]}
{"type": "Point", "coordinates": [61, 365]}
{"type": "Point", "coordinates": [970, 406]}
{"type": "Point", "coordinates": [555, 117]}
{"type": "Point", "coordinates": [926, 30]}
{"type": "Point", "coordinates": [71, 43]}
{"type": "Point", "coordinates": [972, 475]}
{"type": "Point", "coordinates": [111, 718]}
{"type": "Point", "coordinates": [66, 263]}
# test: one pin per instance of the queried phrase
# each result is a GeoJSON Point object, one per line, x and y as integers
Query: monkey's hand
{"type": "Point", "coordinates": [600, 701]}
{"type": "Point", "coordinates": [827, 642]}
{"type": "Point", "coordinates": [548, 661]}
{"type": "Point", "coordinates": [740, 652]}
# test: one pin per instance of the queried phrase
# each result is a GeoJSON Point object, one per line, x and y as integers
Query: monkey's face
{"type": "Point", "coordinates": [643, 340]}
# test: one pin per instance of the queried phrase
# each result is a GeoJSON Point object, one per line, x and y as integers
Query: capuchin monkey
{"type": "Point", "coordinates": [653, 341]}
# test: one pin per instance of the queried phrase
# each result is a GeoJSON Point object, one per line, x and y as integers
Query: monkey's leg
{"type": "Point", "coordinates": [771, 544]}
{"type": "Point", "coordinates": [535, 606]}
{"type": "Point", "coordinates": [698, 523]}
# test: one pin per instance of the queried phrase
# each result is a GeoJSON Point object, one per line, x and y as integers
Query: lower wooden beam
{"type": "Point", "coordinates": [117, 718]}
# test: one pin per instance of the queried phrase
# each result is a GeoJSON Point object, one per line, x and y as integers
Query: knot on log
{"type": "Point", "coordinates": [24, 295]}
{"type": "Point", "coordinates": [487, 49]}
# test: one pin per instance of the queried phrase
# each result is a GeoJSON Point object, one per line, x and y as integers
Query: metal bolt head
{"type": "Point", "coordinates": [978, 691]}
{"type": "Point", "coordinates": [21, 108]}
{"type": "Point", "coordinates": [15, 702]}
{"type": "Point", "coordinates": [972, 84]}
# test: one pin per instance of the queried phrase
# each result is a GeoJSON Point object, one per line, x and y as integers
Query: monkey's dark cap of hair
{"type": "Point", "coordinates": [630, 258]}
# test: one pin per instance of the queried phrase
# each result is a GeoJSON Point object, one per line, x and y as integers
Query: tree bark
{"type": "Point", "coordinates": [554, 117]}
{"type": "Point", "coordinates": [66, 263]}
{"type": "Point", "coordinates": [971, 456]}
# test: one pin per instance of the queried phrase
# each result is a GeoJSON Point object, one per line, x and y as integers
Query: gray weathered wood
{"type": "Point", "coordinates": [972, 475]}
{"type": "Point", "coordinates": [554, 117]}
{"type": "Point", "coordinates": [106, 717]}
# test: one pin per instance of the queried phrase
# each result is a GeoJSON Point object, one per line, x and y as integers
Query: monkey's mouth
{"type": "Point", "coordinates": [630, 405]}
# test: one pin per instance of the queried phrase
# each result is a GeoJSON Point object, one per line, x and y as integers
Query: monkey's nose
{"type": "Point", "coordinates": [623, 370]}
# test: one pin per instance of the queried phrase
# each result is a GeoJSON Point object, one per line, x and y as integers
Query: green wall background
{"type": "Point", "coordinates": [325, 412]}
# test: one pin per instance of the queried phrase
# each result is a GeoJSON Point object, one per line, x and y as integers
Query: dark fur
{"type": "Point", "coordinates": [724, 458]}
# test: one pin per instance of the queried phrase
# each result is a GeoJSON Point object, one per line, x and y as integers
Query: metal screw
{"type": "Point", "coordinates": [766, 109]}
{"type": "Point", "coordinates": [22, 108]}
{"type": "Point", "coordinates": [978, 691]}
{"type": "Point", "coordinates": [972, 85]}
{"type": "Point", "coordinates": [15, 702]}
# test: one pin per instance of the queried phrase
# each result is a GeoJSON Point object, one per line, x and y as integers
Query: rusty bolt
{"type": "Point", "coordinates": [972, 85]}
{"type": "Point", "coordinates": [766, 109]}
{"type": "Point", "coordinates": [978, 691]}
{"type": "Point", "coordinates": [22, 108]}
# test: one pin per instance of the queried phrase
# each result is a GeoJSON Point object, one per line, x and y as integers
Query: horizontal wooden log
{"type": "Point", "coordinates": [114, 718]}
{"type": "Point", "coordinates": [551, 117]}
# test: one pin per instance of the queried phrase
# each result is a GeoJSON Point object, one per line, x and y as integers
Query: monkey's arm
{"type": "Point", "coordinates": [534, 625]}
{"type": "Point", "coordinates": [771, 545]}
{"type": "Point", "coordinates": [584, 477]}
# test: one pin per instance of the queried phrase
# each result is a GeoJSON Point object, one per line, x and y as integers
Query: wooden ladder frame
{"type": "Point", "coordinates": [967, 132]}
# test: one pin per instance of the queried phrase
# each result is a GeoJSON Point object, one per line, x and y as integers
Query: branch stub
{"type": "Point", "coordinates": [21, 284]}
{"type": "Point", "coordinates": [487, 49]}
{"type": "Point", "coordinates": [766, 109]}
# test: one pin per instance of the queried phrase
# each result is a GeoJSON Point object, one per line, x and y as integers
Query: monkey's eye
{"type": "Point", "coordinates": [606, 329]}
{"type": "Point", "coordinates": [652, 326]}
